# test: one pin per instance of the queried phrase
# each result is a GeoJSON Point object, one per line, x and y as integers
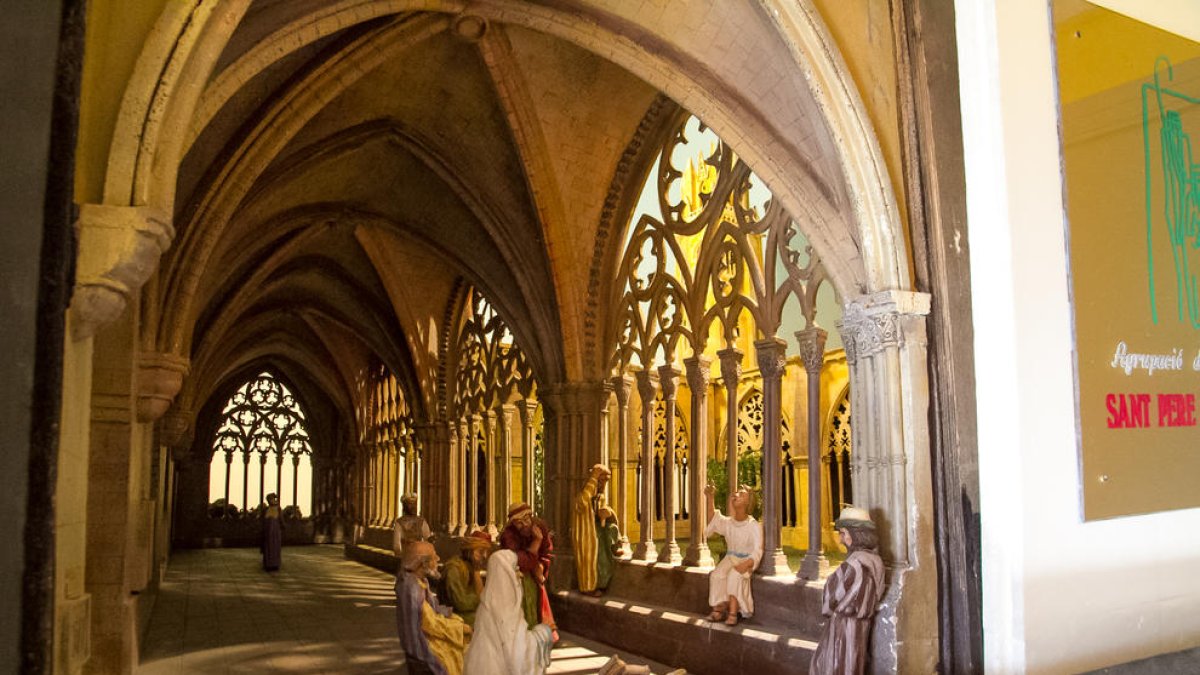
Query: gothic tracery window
{"type": "Point", "coordinates": [837, 449]}
{"type": "Point", "coordinates": [261, 446]}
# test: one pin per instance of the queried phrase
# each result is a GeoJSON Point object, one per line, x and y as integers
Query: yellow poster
{"type": "Point", "coordinates": [1130, 97]}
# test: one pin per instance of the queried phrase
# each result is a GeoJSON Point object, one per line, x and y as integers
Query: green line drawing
{"type": "Point", "coordinates": [1181, 192]}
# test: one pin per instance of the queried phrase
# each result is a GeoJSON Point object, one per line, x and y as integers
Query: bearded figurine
{"type": "Point", "coordinates": [464, 575]}
{"type": "Point", "coordinates": [529, 538]}
{"type": "Point", "coordinates": [433, 638]}
{"type": "Point", "coordinates": [596, 541]}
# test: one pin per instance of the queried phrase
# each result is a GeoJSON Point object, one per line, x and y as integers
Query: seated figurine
{"type": "Point", "coordinates": [729, 583]}
{"type": "Point", "coordinates": [464, 575]}
{"type": "Point", "coordinates": [432, 637]}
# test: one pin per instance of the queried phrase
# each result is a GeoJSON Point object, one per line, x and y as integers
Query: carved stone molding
{"type": "Point", "coordinates": [160, 377]}
{"type": "Point", "coordinates": [119, 248]}
{"type": "Point", "coordinates": [731, 365]}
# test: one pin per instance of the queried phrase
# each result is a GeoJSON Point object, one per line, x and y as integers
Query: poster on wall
{"type": "Point", "coordinates": [1130, 101]}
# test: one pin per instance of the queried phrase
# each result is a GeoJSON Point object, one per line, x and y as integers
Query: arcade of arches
{"type": "Point", "coordinates": [348, 250]}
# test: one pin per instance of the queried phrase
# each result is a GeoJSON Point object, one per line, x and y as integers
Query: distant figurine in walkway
{"type": "Point", "coordinates": [851, 596]}
{"type": "Point", "coordinates": [530, 539]}
{"type": "Point", "coordinates": [409, 526]}
{"type": "Point", "coordinates": [595, 540]}
{"type": "Point", "coordinates": [729, 583]}
{"type": "Point", "coordinates": [272, 534]}
{"type": "Point", "coordinates": [503, 643]}
{"type": "Point", "coordinates": [432, 637]}
{"type": "Point", "coordinates": [464, 575]}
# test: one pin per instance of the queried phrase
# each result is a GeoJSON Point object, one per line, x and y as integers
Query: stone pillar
{"type": "Point", "coordinates": [668, 379]}
{"type": "Point", "coordinates": [474, 471]}
{"type": "Point", "coordinates": [461, 480]}
{"type": "Point", "coordinates": [772, 358]}
{"type": "Point", "coordinates": [492, 449]}
{"type": "Point", "coordinates": [731, 372]}
{"type": "Point", "coordinates": [505, 415]}
{"type": "Point", "coordinates": [453, 481]}
{"type": "Point", "coordinates": [433, 441]}
{"type": "Point", "coordinates": [812, 353]}
{"type": "Point", "coordinates": [646, 550]}
{"type": "Point", "coordinates": [699, 371]}
{"type": "Point", "coordinates": [622, 385]}
{"type": "Point", "coordinates": [573, 434]}
{"type": "Point", "coordinates": [886, 344]}
{"type": "Point", "coordinates": [527, 410]}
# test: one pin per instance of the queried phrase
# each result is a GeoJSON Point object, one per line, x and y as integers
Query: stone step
{"type": "Point", "coordinates": [784, 603]}
{"type": "Point", "coordinates": [683, 640]}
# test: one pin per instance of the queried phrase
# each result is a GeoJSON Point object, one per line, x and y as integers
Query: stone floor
{"type": "Point", "coordinates": [218, 612]}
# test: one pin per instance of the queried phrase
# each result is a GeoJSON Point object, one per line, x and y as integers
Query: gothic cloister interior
{"type": "Point", "coordinates": [351, 250]}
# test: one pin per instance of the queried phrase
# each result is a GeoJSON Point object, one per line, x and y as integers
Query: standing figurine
{"type": "Point", "coordinates": [851, 595]}
{"type": "Point", "coordinates": [503, 644]}
{"type": "Point", "coordinates": [464, 575]}
{"type": "Point", "coordinates": [729, 583]}
{"type": "Point", "coordinates": [408, 527]}
{"type": "Point", "coordinates": [529, 538]}
{"type": "Point", "coordinates": [272, 536]}
{"type": "Point", "coordinates": [596, 541]}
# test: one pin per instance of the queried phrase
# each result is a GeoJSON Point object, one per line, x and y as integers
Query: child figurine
{"type": "Point", "coordinates": [851, 595]}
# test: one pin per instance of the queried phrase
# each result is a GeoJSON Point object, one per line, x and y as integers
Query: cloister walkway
{"type": "Point", "coordinates": [218, 612]}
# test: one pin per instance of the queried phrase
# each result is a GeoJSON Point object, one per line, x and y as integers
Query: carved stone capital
{"type": "Point", "coordinates": [668, 380]}
{"type": "Point", "coordinates": [772, 357]}
{"type": "Point", "coordinates": [119, 248]}
{"type": "Point", "coordinates": [646, 384]}
{"type": "Point", "coordinates": [175, 431]}
{"type": "Point", "coordinates": [872, 323]}
{"type": "Point", "coordinates": [731, 364]}
{"type": "Point", "coordinates": [622, 386]}
{"type": "Point", "coordinates": [699, 374]}
{"type": "Point", "coordinates": [527, 409]}
{"type": "Point", "coordinates": [812, 348]}
{"type": "Point", "coordinates": [160, 377]}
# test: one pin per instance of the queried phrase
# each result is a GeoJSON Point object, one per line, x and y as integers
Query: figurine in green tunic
{"type": "Point", "coordinates": [464, 575]}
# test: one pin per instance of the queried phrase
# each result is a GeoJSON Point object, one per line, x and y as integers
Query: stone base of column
{"type": "Point", "coordinates": [493, 531]}
{"type": "Point", "coordinates": [645, 550]}
{"type": "Point", "coordinates": [698, 556]}
{"type": "Point", "coordinates": [813, 566]}
{"type": "Point", "coordinates": [774, 564]}
{"type": "Point", "coordinates": [672, 554]}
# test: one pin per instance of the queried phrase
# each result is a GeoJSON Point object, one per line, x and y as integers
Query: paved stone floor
{"type": "Point", "coordinates": [218, 612]}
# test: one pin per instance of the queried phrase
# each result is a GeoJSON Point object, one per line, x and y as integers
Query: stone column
{"type": "Point", "coordinates": [668, 379]}
{"type": "Point", "coordinates": [491, 447]}
{"type": "Point", "coordinates": [527, 410]}
{"type": "Point", "coordinates": [885, 340]}
{"type": "Point", "coordinates": [474, 471]}
{"type": "Point", "coordinates": [463, 479]}
{"type": "Point", "coordinates": [646, 550]}
{"type": "Point", "coordinates": [772, 358]}
{"type": "Point", "coordinates": [505, 415]}
{"type": "Point", "coordinates": [699, 371]}
{"type": "Point", "coordinates": [453, 479]}
{"type": "Point", "coordinates": [731, 372]}
{"type": "Point", "coordinates": [622, 385]}
{"type": "Point", "coordinates": [573, 444]}
{"type": "Point", "coordinates": [812, 353]}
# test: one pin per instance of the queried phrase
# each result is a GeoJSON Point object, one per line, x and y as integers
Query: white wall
{"type": "Point", "coordinates": [1060, 595]}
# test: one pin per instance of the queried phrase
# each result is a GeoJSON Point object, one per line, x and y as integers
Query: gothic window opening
{"type": "Point", "coordinates": [261, 446]}
{"type": "Point", "coordinates": [837, 450]}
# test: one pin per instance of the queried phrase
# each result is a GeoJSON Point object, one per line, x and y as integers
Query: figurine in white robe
{"type": "Point", "coordinates": [503, 644]}
{"type": "Point", "coordinates": [729, 584]}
